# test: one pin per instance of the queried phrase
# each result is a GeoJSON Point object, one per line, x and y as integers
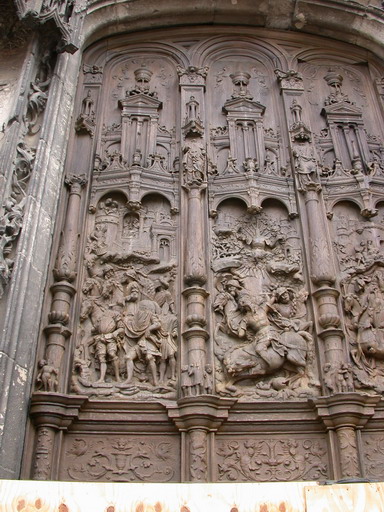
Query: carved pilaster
{"type": "Point", "coordinates": [322, 270]}
{"type": "Point", "coordinates": [345, 413]}
{"type": "Point", "coordinates": [194, 165]}
{"type": "Point", "coordinates": [199, 417]}
{"type": "Point", "coordinates": [49, 416]}
{"type": "Point", "coordinates": [62, 290]}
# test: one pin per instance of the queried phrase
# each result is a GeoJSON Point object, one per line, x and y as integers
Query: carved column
{"type": "Point", "coordinates": [192, 84]}
{"type": "Point", "coordinates": [322, 270]}
{"type": "Point", "coordinates": [63, 289]}
{"type": "Point", "coordinates": [344, 414]}
{"type": "Point", "coordinates": [198, 419]}
{"type": "Point", "coordinates": [49, 417]}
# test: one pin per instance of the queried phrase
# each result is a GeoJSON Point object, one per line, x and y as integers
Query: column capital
{"type": "Point", "coordinates": [346, 409]}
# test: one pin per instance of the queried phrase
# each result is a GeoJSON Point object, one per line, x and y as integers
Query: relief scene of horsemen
{"type": "Point", "coordinates": [263, 333]}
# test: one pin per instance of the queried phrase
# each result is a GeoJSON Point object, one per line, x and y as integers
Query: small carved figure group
{"type": "Point", "coordinates": [195, 382]}
{"type": "Point", "coordinates": [338, 379]}
{"type": "Point", "coordinates": [127, 326]}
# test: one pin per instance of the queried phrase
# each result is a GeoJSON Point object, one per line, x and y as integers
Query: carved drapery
{"type": "Point", "coordinates": [230, 252]}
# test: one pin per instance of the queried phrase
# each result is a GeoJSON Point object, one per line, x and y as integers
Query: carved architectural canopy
{"type": "Point", "coordinates": [214, 306]}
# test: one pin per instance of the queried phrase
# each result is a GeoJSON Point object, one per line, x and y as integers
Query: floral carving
{"type": "Point", "coordinates": [120, 459]}
{"type": "Point", "coordinates": [374, 455]}
{"type": "Point", "coordinates": [348, 452]}
{"type": "Point", "coordinates": [272, 460]}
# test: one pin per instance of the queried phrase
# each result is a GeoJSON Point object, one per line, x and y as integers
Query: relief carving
{"type": "Point", "coordinates": [194, 163]}
{"type": "Point", "coordinates": [348, 452]}
{"type": "Point", "coordinates": [262, 331]}
{"type": "Point", "coordinates": [86, 119]}
{"type": "Point", "coordinates": [128, 325]}
{"type": "Point", "coordinates": [306, 168]}
{"type": "Point", "coordinates": [361, 260]}
{"type": "Point", "coordinates": [272, 460]}
{"type": "Point", "coordinates": [38, 96]}
{"type": "Point", "coordinates": [290, 79]}
{"type": "Point", "coordinates": [198, 455]}
{"type": "Point", "coordinates": [120, 459]}
{"type": "Point", "coordinates": [13, 211]}
{"type": "Point", "coordinates": [373, 445]}
{"type": "Point", "coordinates": [363, 302]}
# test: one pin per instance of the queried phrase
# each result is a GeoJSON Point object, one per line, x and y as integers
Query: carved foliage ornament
{"type": "Point", "coordinates": [120, 460]}
{"type": "Point", "coordinates": [272, 460]}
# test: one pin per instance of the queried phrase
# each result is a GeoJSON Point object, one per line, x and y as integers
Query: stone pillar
{"type": "Point", "coordinates": [198, 419]}
{"type": "Point", "coordinates": [194, 165]}
{"type": "Point", "coordinates": [21, 309]}
{"type": "Point", "coordinates": [322, 270]}
{"type": "Point", "coordinates": [345, 414]}
{"type": "Point", "coordinates": [49, 418]}
{"type": "Point", "coordinates": [63, 289]}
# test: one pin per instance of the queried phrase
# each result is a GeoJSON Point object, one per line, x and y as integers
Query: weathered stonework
{"type": "Point", "coordinates": [191, 262]}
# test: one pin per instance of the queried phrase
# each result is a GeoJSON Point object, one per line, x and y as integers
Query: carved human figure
{"type": "Point", "coordinates": [270, 340]}
{"type": "Point", "coordinates": [306, 169]}
{"type": "Point", "coordinates": [196, 375]}
{"type": "Point", "coordinates": [47, 377]}
{"type": "Point", "coordinates": [269, 166]}
{"type": "Point", "coordinates": [87, 105]}
{"type": "Point", "coordinates": [107, 329]}
{"type": "Point", "coordinates": [185, 380]}
{"type": "Point", "coordinates": [364, 310]}
{"type": "Point", "coordinates": [255, 325]}
{"type": "Point", "coordinates": [146, 338]}
{"type": "Point", "coordinates": [194, 162]}
{"type": "Point", "coordinates": [329, 377]}
{"type": "Point", "coordinates": [288, 310]}
{"type": "Point", "coordinates": [106, 349]}
{"type": "Point", "coordinates": [112, 290]}
{"type": "Point", "coordinates": [208, 379]}
{"type": "Point", "coordinates": [226, 303]}
{"type": "Point", "coordinates": [344, 380]}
